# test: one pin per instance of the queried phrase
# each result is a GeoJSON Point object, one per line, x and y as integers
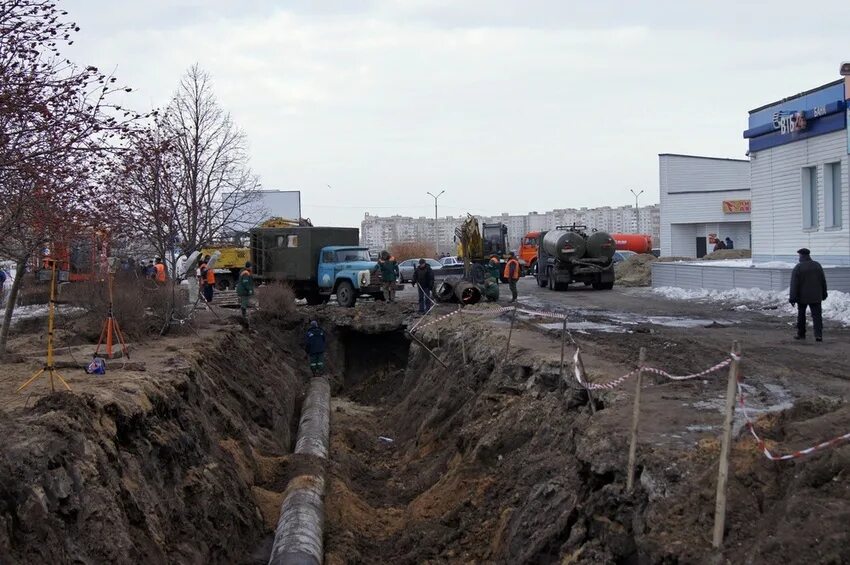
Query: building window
{"type": "Point", "coordinates": [832, 194]}
{"type": "Point", "coordinates": [810, 198]}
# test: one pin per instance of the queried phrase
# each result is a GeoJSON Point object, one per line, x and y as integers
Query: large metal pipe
{"type": "Point", "coordinates": [300, 528]}
{"type": "Point", "coordinates": [445, 292]}
{"type": "Point", "coordinates": [467, 292]}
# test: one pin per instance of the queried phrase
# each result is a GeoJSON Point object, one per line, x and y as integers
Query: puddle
{"type": "Point", "coordinates": [760, 399]}
{"type": "Point", "coordinates": [585, 327]}
{"type": "Point", "coordinates": [666, 321]}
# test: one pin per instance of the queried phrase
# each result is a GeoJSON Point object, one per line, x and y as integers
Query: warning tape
{"type": "Point", "coordinates": [787, 457]}
{"type": "Point", "coordinates": [620, 380]}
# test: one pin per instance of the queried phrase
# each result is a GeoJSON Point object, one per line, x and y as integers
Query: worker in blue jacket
{"type": "Point", "coordinates": [314, 345]}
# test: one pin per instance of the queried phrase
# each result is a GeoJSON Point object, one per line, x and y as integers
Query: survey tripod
{"type": "Point", "coordinates": [49, 366]}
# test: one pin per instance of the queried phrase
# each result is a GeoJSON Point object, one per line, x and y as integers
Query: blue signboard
{"type": "Point", "coordinates": [808, 115]}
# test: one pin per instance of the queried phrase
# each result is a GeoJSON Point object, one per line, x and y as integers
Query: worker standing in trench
{"type": "Point", "coordinates": [314, 345]}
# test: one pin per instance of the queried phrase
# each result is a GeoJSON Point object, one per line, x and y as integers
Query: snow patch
{"type": "Point", "coordinates": [836, 307]}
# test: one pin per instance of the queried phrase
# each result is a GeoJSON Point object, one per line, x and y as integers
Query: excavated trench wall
{"type": "Point", "coordinates": [178, 467]}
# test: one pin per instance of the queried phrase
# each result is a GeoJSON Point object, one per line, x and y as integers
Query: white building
{"type": "Point", "coordinates": [379, 232]}
{"type": "Point", "coordinates": [703, 198]}
{"type": "Point", "coordinates": [798, 152]}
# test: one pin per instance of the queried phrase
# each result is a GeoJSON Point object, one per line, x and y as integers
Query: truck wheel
{"type": "Point", "coordinates": [541, 282]}
{"type": "Point", "coordinates": [608, 285]}
{"type": "Point", "coordinates": [345, 294]}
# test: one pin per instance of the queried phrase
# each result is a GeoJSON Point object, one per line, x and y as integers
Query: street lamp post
{"type": "Point", "coordinates": [436, 234]}
{"type": "Point", "coordinates": [637, 213]}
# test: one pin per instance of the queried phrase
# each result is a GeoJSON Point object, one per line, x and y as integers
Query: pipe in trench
{"type": "Point", "coordinates": [300, 528]}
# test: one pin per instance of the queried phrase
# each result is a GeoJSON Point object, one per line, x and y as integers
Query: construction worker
{"type": "Point", "coordinates": [511, 273]}
{"type": "Point", "coordinates": [206, 279]}
{"type": "Point", "coordinates": [389, 274]}
{"type": "Point", "coordinates": [491, 279]}
{"type": "Point", "coordinates": [423, 281]}
{"type": "Point", "coordinates": [314, 345]}
{"type": "Point", "coordinates": [160, 275]}
{"type": "Point", "coordinates": [245, 289]}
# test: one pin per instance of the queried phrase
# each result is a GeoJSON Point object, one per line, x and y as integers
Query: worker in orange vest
{"type": "Point", "coordinates": [207, 279]}
{"type": "Point", "coordinates": [511, 273]}
{"type": "Point", "coordinates": [160, 275]}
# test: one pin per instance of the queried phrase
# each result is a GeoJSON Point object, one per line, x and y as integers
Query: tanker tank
{"type": "Point", "coordinates": [565, 245]}
{"type": "Point", "coordinates": [600, 245]}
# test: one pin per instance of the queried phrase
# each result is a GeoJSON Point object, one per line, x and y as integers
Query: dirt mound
{"type": "Point", "coordinates": [634, 271]}
{"type": "Point", "coordinates": [728, 254]}
{"type": "Point", "coordinates": [152, 467]}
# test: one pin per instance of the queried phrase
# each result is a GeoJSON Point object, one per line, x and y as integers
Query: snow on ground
{"type": "Point", "coordinates": [747, 263]}
{"type": "Point", "coordinates": [836, 307]}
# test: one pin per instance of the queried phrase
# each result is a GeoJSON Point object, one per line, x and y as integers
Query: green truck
{"type": "Point", "coordinates": [317, 261]}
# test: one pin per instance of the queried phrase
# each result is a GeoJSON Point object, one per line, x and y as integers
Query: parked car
{"type": "Point", "coordinates": [450, 261]}
{"type": "Point", "coordinates": [405, 268]}
{"type": "Point", "coordinates": [622, 255]}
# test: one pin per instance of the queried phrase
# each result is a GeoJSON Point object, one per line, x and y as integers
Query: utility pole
{"type": "Point", "coordinates": [436, 233]}
{"type": "Point", "coordinates": [637, 214]}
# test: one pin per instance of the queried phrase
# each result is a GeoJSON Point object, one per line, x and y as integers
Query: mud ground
{"type": "Point", "coordinates": [183, 457]}
{"type": "Point", "coordinates": [494, 461]}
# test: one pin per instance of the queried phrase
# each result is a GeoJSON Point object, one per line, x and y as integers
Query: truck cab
{"type": "Point", "coordinates": [528, 251]}
{"type": "Point", "coordinates": [348, 273]}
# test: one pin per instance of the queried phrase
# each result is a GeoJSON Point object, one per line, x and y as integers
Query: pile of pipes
{"type": "Point", "coordinates": [458, 291]}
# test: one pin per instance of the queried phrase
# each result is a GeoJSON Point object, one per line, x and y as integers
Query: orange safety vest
{"type": "Point", "coordinates": [210, 274]}
{"type": "Point", "coordinates": [507, 272]}
{"type": "Point", "coordinates": [160, 272]}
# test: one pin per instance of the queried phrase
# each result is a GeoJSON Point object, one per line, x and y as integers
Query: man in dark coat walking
{"type": "Point", "coordinates": [423, 280]}
{"type": "Point", "coordinates": [808, 289]}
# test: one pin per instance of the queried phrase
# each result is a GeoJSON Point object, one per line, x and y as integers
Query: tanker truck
{"type": "Point", "coordinates": [569, 254]}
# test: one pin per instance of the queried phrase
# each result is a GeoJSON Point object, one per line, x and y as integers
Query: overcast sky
{"type": "Point", "coordinates": [508, 106]}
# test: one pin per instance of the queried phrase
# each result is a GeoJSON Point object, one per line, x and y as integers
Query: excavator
{"type": "Point", "coordinates": [475, 246]}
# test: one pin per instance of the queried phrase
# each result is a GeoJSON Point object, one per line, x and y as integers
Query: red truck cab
{"type": "Point", "coordinates": [528, 250]}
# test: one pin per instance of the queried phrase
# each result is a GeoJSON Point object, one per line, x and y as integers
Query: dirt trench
{"type": "Point", "coordinates": [483, 461]}
{"type": "Point", "coordinates": [182, 464]}
{"type": "Point", "coordinates": [503, 462]}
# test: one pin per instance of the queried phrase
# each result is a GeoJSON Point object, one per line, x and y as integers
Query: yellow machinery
{"type": "Point", "coordinates": [233, 257]}
{"type": "Point", "coordinates": [476, 245]}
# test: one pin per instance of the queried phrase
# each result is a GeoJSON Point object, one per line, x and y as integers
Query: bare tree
{"type": "Point", "coordinates": [59, 135]}
{"type": "Point", "coordinates": [189, 177]}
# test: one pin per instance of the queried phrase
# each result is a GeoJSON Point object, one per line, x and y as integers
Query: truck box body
{"type": "Point", "coordinates": [292, 253]}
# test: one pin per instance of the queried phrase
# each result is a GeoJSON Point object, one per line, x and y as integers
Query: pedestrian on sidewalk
{"type": "Point", "coordinates": [245, 289]}
{"type": "Point", "coordinates": [314, 345]}
{"type": "Point", "coordinates": [511, 273]}
{"type": "Point", "coordinates": [423, 280]}
{"type": "Point", "coordinates": [808, 290]}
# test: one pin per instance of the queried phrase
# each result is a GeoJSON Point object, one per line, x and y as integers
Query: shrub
{"type": "Point", "coordinates": [412, 250]}
{"type": "Point", "coordinates": [276, 298]}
